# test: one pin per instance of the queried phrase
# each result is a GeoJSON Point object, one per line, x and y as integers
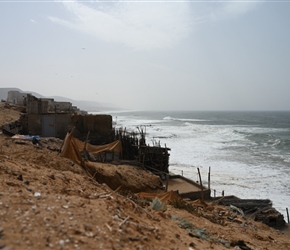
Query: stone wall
{"type": "Point", "coordinates": [49, 125]}
{"type": "Point", "coordinates": [99, 126]}
{"type": "Point", "coordinates": [59, 106]}
{"type": "Point", "coordinates": [34, 124]}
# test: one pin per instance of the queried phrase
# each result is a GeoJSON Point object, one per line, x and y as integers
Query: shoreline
{"type": "Point", "coordinates": [48, 201]}
{"type": "Point", "coordinates": [264, 182]}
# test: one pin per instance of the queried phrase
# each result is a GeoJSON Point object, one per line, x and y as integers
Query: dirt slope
{"type": "Point", "coordinates": [48, 202]}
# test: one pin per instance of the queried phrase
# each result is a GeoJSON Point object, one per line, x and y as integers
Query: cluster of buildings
{"type": "Point", "coordinates": [47, 118]}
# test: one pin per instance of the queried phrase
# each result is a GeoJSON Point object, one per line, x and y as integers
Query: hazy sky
{"type": "Point", "coordinates": [162, 55]}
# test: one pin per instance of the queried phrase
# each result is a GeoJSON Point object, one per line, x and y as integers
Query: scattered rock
{"type": "Point", "coordinates": [20, 177]}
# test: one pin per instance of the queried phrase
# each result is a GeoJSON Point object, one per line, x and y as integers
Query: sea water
{"type": "Point", "coordinates": [248, 153]}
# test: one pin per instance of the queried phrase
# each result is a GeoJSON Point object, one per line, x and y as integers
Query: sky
{"type": "Point", "coordinates": [150, 55]}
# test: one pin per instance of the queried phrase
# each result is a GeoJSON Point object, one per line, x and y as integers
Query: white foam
{"type": "Point", "coordinates": [183, 120]}
{"type": "Point", "coordinates": [239, 166]}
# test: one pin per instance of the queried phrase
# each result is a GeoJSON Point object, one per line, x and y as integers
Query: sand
{"type": "Point", "coordinates": [49, 202]}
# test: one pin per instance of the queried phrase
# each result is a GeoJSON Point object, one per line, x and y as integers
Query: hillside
{"type": "Point", "coordinates": [48, 202]}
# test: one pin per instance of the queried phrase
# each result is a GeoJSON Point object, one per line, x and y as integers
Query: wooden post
{"type": "Point", "coordinates": [167, 180]}
{"type": "Point", "coordinates": [85, 146]}
{"type": "Point", "coordinates": [202, 195]}
{"type": "Point", "coordinates": [287, 215]}
{"type": "Point", "coordinates": [69, 132]}
{"type": "Point", "coordinates": [182, 172]}
{"type": "Point", "coordinates": [209, 178]}
{"type": "Point", "coordinates": [214, 193]}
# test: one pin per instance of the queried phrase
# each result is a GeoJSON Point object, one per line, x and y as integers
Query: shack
{"type": "Point", "coordinates": [154, 158]}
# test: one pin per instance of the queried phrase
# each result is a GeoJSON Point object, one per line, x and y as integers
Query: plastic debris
{"type": "Point", "coordinates": [158, 205]}
{"type": "Point", "coordinates": [235, 209]}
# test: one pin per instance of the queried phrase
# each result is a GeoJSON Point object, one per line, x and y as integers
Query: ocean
{"type": "Point", "coordinates": [248, 153]}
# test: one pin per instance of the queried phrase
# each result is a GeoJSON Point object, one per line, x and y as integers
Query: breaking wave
{"type": "Point", "coordinates": [184, 119]}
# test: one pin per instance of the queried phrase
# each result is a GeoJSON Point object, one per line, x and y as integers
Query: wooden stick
{"type": "Point", "coordinates": [85, 146]}
{"type": "Point", "coordinates": [167, 180]}
{"type": "Point", "coordinates": [202, 196]}
{"type": "Point", "coordinates": [59, 151]}
{"type": "Point", "coordinates": [143, 226]}
{"type": "Point", "coordinates": [124, 221]}
{"type": "Point", "coordinates": [287, 215]}
{"type": "Point", "coordinates": [209, 178]}
{"type": "Point", "coordinates": [219, 200]}
{"type": "Point", "coordinates": [106, 224]}
{"type": "Point", "coordinates": [137, 224]}
{"type": "Point", "coordinates": [136, 205]}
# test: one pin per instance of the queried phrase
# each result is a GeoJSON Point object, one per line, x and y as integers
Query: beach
{"type": "Point", "coordinates": [49, 202]}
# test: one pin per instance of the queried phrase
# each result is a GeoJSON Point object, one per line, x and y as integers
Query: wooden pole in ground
{"type": "Point", "coordinates": [85, 146]}
{"type": "Point", "coordinates": [167, 180]}
{"type": "Point", "coordinates": [209, 178]}
{"type": "Point", "coordinates": [287, 215]}
{"type": "Point", "coordinates": [200, 182]}
{"type": "Point", "coordinates": [69, 132]}
{"type": "Point", "coordinates": [84, 150]}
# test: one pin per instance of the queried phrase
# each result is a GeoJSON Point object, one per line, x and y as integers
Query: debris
{"type": "Point", "coordinates": [240, 244]}
{"type": "Point", "coordinates": [61, 243]}
{"type": "Point", "coordinates": [235, 209]}
{"type": "Point", "coordinates": [158, 205]}
{"type": "Point", "coordinates": [33, 138]}
{"type": "Point", "coordinates": [110, 229]}
{"type": "Point", "coordinates": [124, 221]}
{"type": "Point", "coordinates": [20, 177]}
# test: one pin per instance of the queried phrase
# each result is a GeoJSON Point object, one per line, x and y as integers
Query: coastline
{"type": "Point", "coordinates": [49, 202]}
{"type": "Point", "coordinates": [249, 157]}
